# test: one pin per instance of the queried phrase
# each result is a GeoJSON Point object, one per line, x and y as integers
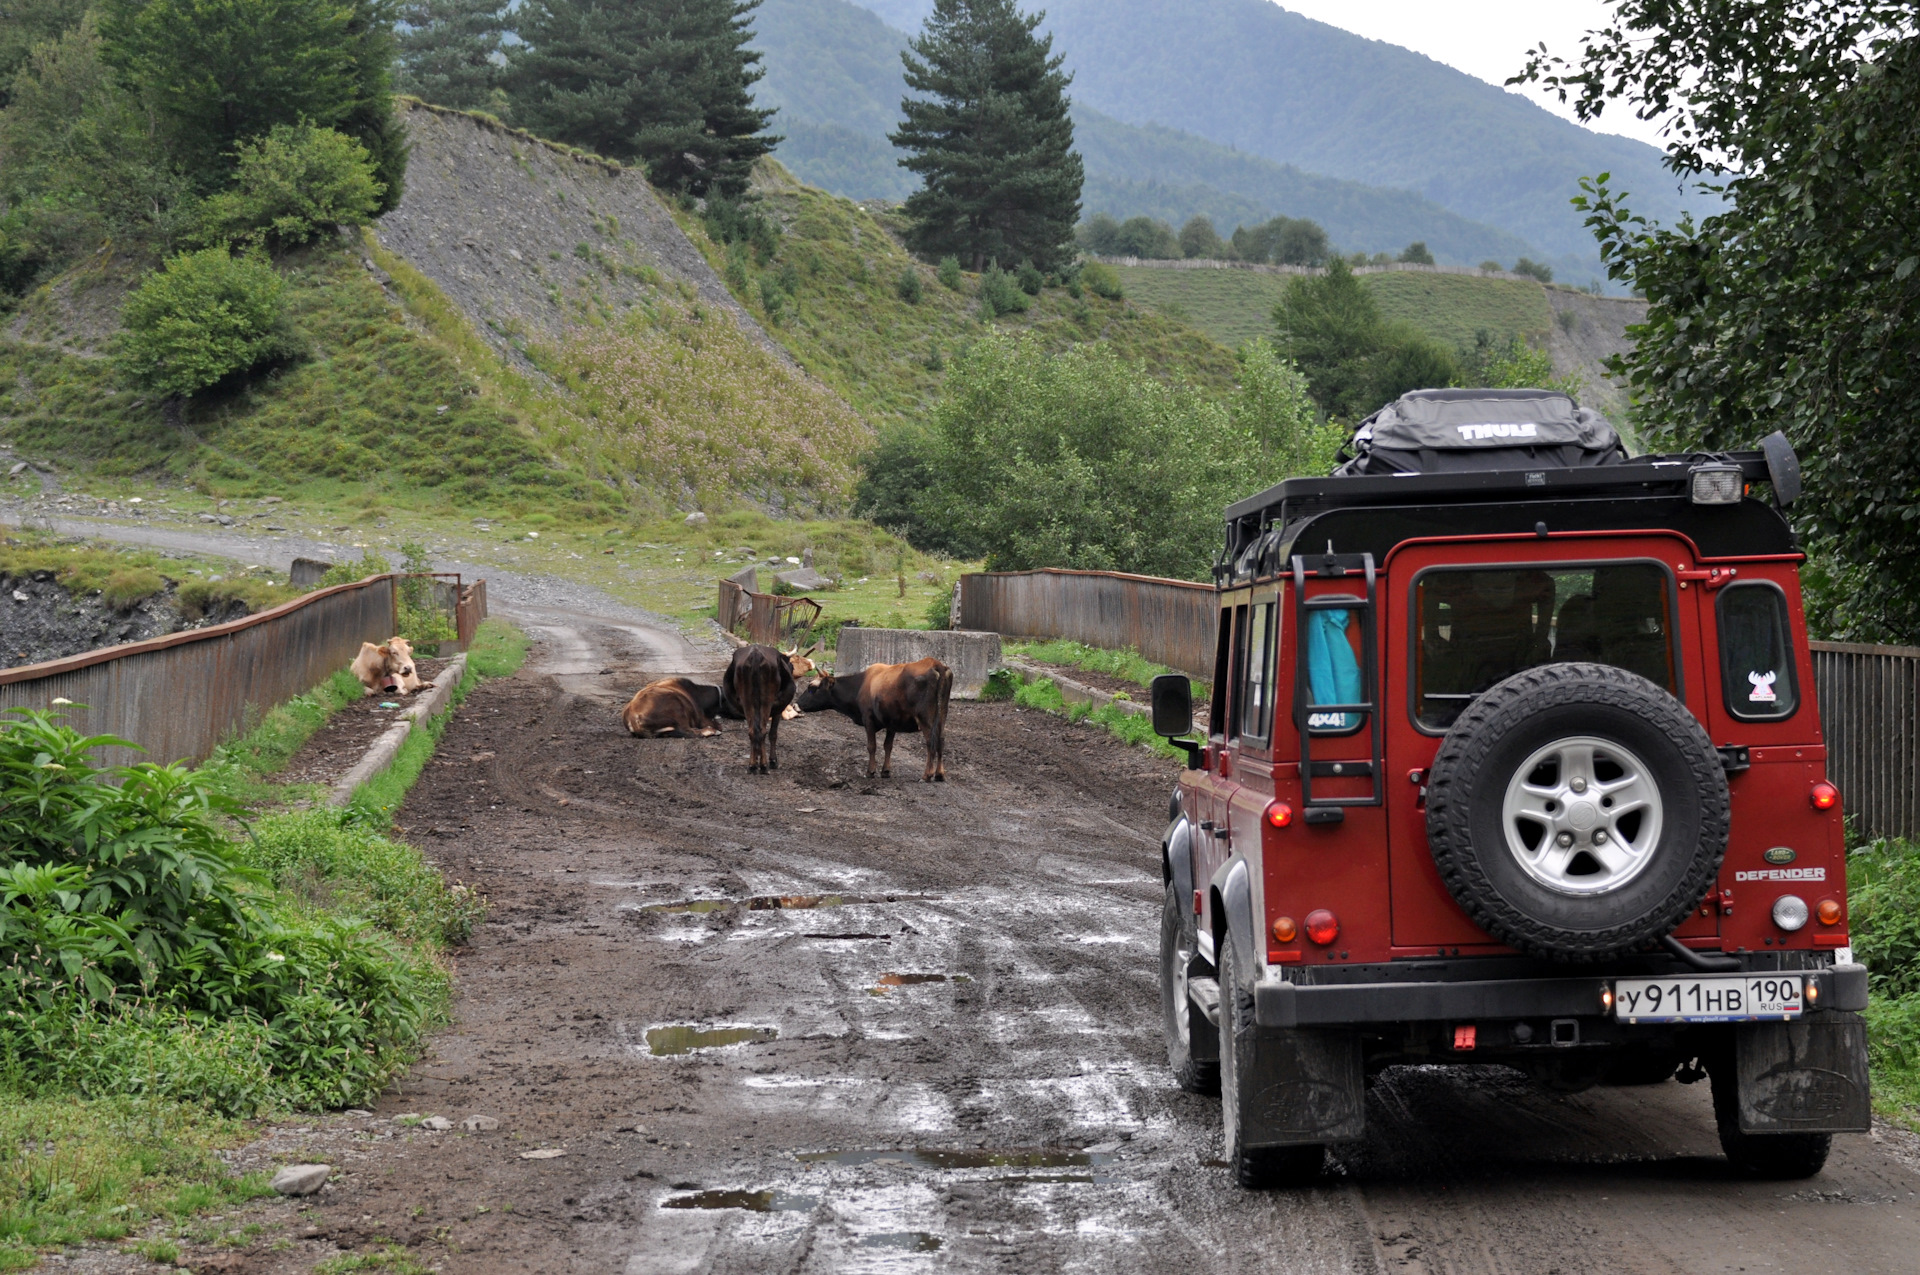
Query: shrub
{"type": "Point", "coordinates": [999, 294]}
{"type": "Point", "coordinates": [293, 185]}
{"type": "Point", "coordinates": [1416, 253]}
{"type": "Point", "coordinates": [204, 317]}
{"type": "Point", "coordinates": [122, 902]}
{"type": "Point", "coordinates": [772, 299]}
{"type": "Point", "coordinates": [909, 286]}
{"type": "Point", "coordinates": [1030, 279]}
{"type": "Point", "coordinates": [949, 273]}
{"type": "Point", "coordinates": [1534, 269]}
{"type": "Point", "coordinates": [1102, 281]}
{"type": "Point", "coordinates": [741, 222]}
{"type": "Point", "coordinates": [1884, 920]}
{"type": "Point", "coordinates": [421, 618]}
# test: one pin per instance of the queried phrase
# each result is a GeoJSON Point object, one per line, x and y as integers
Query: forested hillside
{"type": "Point", "coordinates": [1250, 75]}
{"type": "Point", "coordinates": [834, 70]}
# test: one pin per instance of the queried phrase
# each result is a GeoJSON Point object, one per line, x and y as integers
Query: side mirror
{"type": "Point", "coordinates": [1172, 696]}
{"type": "Point", "coordinates": [1783, 467]}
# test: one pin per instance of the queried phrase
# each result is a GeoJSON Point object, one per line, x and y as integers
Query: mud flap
{"type": "Point", "coordinates": [1808, 1076]}
{"type": "Point", "coordinates": [1302, 1086]}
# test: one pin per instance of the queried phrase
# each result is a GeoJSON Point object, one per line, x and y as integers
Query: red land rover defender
{"type": "Point", "coordinates": [1513, 757]}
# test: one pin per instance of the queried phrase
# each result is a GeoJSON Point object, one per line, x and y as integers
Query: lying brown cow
{"type": "Point", "coordinates": [892, 698]}
{"type": "Point", "coordinates": [759, 686]}
{"type": "Point", "coordinates": [672, 706]}
{"type": "Point", "coordinates": [409, 673]}
{"type": "Point", "coordinates": [380, 668]}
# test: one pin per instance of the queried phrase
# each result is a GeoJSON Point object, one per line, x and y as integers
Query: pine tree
{"type": "Point", "coordinates": [448, 53]}
{"type": "Point", "coordinates": [667, 82]}
{"type": "Point", "coordinates": [991, 139]}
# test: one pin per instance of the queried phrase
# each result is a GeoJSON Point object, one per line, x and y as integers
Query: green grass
{"type": "Point", "coordinates": [840, 312]}
{"type": "Point", "coordinates": [78, 1171]}
{"type": "Point", "coordinates": [1043, 694]}
{"type": "Point", "coordinates": [269, 746]}
{"type": "Point", "coordinates": [1233, 306]}
{"type": "Point", "coordinates": [390, 1257]}
{"type": "Point", "coordinates": [1128, 664]}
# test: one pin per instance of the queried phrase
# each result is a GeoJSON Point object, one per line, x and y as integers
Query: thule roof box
{"type": "Point", "coordinates": [1459, 431]}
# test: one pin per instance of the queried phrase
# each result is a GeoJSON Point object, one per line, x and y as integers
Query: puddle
{"type": "Point", "coordinates": [682, 1039]}
{"type": "Point", "coordinates": [913, 980]}
{"type": "Point", "coordinates": [780, 902]}
{"type": "Point", "coordinates": [752, 1201]}
{"type": "Point", "coordinates": [967, 1158]}
{"type": "Point", "coordinates": [911, 1241]}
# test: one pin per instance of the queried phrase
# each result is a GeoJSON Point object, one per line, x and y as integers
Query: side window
{"type": "Point", "coordinates": [1756, 654]}
{"type": "Point", "coordinates": [1256, 682]}
{"type": "Point", "coordinates": [1232, 620]}
{"type": "Point", "coordinates": [1332, 654]}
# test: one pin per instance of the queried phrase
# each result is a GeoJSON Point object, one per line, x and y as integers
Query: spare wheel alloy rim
{"type": "Point", "coordinates": [1582, 816]}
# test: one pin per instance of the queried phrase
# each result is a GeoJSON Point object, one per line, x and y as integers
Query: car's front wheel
{"type": "Point", "coordinates": [1195, 1075]}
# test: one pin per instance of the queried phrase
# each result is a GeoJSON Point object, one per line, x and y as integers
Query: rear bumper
{"type": "Point", "coordinates": [1287, 1004]}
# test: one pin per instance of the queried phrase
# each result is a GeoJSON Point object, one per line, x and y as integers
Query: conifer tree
{"type": "Point", "coordinates": [990, 138]}
{"type": "Point", "coordinates": [667, 82]}
{"type": "Point", "coordinates": [448, 52]}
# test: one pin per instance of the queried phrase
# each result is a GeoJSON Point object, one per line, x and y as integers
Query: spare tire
{"type": "Point", "coordinates": [1576, 811]}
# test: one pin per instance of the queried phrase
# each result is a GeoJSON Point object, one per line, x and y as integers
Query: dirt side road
{"type": "Point", "coordinates": [950, 1062]}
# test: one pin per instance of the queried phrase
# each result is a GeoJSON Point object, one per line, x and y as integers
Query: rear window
{"type": "Point", "coordinates": [1756, 654]}
{"type": "Point", "coordinates": [1476, 627]}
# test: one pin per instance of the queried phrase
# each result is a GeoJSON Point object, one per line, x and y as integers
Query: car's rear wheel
{"type": "Point", "coordinates": [1259, 1168]}
{"type": "Point", "coordinates": [1176, 1012]}
{"type": "Point", "coordinates": [1576, 811]}
{"type": "Point", "coordinates": [1776, 1157]}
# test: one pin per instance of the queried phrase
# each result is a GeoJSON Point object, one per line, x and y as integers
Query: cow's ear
{"type": "Point", "coordinates": [385, 650]}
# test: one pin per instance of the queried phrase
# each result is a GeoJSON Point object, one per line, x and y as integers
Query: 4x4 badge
{"type": "Point", "coordinates": [1779, 854]}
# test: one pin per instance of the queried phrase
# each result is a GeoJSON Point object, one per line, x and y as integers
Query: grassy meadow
{"type": "Point", "coordinates": [1233, 306]}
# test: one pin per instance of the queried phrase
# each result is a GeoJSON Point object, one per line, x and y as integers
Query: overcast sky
{"type": "Point", "coordinates": [1485, 38]}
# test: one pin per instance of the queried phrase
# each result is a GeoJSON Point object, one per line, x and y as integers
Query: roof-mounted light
{"type": "Point", "coordinates": [1716, 484]}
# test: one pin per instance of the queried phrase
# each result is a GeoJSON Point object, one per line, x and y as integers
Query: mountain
{"type": "Point", "coordinates": [1255, 77]}
{"type": "Point", "coordinates": [833, 69]}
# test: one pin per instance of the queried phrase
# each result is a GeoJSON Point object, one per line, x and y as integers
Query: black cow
{"type": "Point", "coordinates": [892, 698]}
{"type": "Point", "coordinates": [759, 685]}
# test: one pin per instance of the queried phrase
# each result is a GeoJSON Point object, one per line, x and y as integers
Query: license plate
{"type": "Point", "coordinates": [1745, 999]}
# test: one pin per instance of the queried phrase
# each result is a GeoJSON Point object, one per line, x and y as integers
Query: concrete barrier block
{"type": "Point", "coordinates": [971, 655]}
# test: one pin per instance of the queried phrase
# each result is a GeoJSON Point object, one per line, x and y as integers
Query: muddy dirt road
{"type": "Point", "coordinates": [948, 1053]}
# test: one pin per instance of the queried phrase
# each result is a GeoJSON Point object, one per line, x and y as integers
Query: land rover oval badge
{"type": "Point", "coordinates": [1779, 854]}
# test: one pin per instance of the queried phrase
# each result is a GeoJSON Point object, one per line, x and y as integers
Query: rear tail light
{"type": "Point", "coordinates": [1824, 796]}
{"type": "Point", "coordinates": [1279, 814]}
{"type": "Point", "coordinates": [1284, 930]}
{"type": "Point", "coordinates": [1828, 910]}
{"type": "Point", "coordinates": [1323, 927]}
{"type": "Point", "coordinates": [1790, 912]}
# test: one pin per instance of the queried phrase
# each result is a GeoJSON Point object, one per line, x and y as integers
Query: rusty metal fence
{"type": "Point", "coordinates": [1170, 622]}
{"type": "Point", "coordinates": [182, 695]}
{"type": "Point", "coordinates": [769, 619]}
{"type": "Point", "coordinates": [468, 611]}
{"type": "Point", "coordinates": [1870, 716]}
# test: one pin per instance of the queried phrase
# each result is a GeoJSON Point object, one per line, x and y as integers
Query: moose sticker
{"type": "Point", "coordinates": [1762, 692]}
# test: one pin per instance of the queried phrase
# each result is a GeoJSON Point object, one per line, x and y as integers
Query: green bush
{"type": "Point", "coordinates": [1102, 281]}
{"type": "Point", "coordinates": [1076, 459]}
{"type": "Point", "coordinates": [124, 906]}
{"type": "Point", "coordinates": [1884, 913]}
{"type": "Point", "coordinates": [204, 317]}
{"type": "Point", "coordinates": [1030, 279]}
{"type": "Point", "coordinates": [741, 222]}
{"type": "Point", "coordinates": [909, 286]}
{"type": "Point", "coordinates": [999, 294]}
{"type": "Point", "coordinates": [293, 185]}
{"type": "Point", "coordinates": [949, 273]}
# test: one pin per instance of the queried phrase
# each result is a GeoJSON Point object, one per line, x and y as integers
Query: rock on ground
{"type": "Point", "coordinates": [301, 1179]}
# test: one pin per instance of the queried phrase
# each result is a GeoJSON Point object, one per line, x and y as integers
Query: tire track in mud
{"type": "Point", "coordinates": [1015, 1116]}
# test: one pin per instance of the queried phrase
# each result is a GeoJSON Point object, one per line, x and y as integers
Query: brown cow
{"type": "Point", "coordinates": [892, 698]}
{"type": "Point", "coordinates": [379, 668]}
{"type": "Point", "coordinates": [409, 674]}
{"type": "Point", "coordinates": [759, 685]}
{"type": "Point", "coordinates": [672, 706]}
